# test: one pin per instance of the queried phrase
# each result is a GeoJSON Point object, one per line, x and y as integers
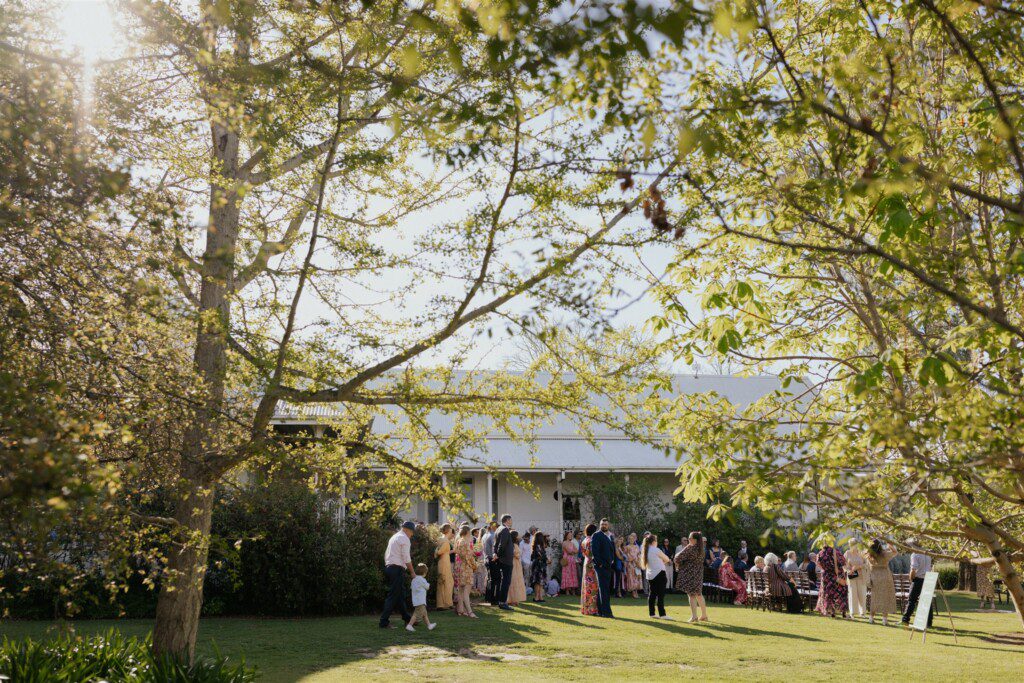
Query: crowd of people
{"type": "Point", "coordinates": [507, 569]}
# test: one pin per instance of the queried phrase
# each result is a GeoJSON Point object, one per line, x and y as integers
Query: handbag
{"type": "Point", "coordinates": [840, 579]}
{"type": "Point", "coordinates": [564, 562]}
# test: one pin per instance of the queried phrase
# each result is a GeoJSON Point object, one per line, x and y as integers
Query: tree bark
{"type": "Point", "coordinates": [1011, 577]}
{"type": "Point", "coordinates": [181, 590]}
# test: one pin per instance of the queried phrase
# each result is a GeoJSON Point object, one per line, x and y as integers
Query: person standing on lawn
{"type": "Point", "coordinates": [654, 561]}
{"type": "Point", "coordinates": [588, 581]}
{"type": "Point", "coordinates": [465, 566]}
{"type": "Point", "coordinates": [504, 557]}
{"type": "Point", "coordinates": [493, 573]}
{"type": "Point", "coordinates": [920, 564]}
{"type": "Point", "coordinates": [419, 599]}
{"type": "Point", "coordinates": [603, 551]}
{"type": "Point", "coordinates": [445, 578]}
{"type": "Point", "coordinates": [397, 560]}
{"type": "Point", "coordinates": [690, 575]}
{"type": "Point", "coordinates": [570, 575]}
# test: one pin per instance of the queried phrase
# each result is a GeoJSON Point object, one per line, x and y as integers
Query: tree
{"type": "Point", "coordinates": [860, 176]}
{"type": "Point", "coordinates": [84, 356]}
{"type": "Point", "coordinates": [294, 147]}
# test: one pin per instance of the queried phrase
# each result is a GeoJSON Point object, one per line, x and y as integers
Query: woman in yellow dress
{"type": "Point", "coordinates": [445, 580]}
{"type": "Point", "coordinates": [517, 589]}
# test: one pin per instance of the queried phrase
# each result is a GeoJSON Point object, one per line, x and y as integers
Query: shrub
{"type": "Point", "coordinates": [108, 657]}
{"type": "Point", "coordinates": [949, 575]}
{"type": "Point", "coordinates": [278, 554]}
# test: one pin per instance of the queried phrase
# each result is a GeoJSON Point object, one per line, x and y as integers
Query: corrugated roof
{"type": "Point", "coordinates": [558, 444]}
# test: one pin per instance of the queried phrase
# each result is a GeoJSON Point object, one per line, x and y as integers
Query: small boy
{"type": "Point", "coordinates": [419, 599]}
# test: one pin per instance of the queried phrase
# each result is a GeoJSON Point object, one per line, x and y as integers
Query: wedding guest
{"type": "Point", "coordinates": [493, 570]}
{"type": "Point", "coordinates": [620, 568]}
{"type": "Point", "coordinates": [666, 548]}
{"type": "Point", "coordinates": [632, 572]}
{"type": "Point", "coordinates": [480, 574]}
{"type": "Point", "coordinates": [445, 578]}
{"type": "Point", "coordinates": [741, 566]}
{"type": "Point", "coordinates": [504, 557]}
{"type": "Point", "coordinates": [780, 585]}
{"type": "Point", "coordinates": [728, 578]}
{"type": "Point", "coordinates": [570, 577]}
{"type": "Point", "coordinates": [517, 588]}
{"type": "Point", "coordinates": [690, 575]}
{"type": "Point", "coordinates": [985, 588]}
{"type": "Point", "coordinates": [759, 565]}
{"type": "Point", "coordinates": [603, 553]}
{"type": "Point", "coordinates": [743, 550]}
{"type": "Point", "coordinates": [715, 554]}
{"type": "Point", "coordinates": [791, 565]}
{"type": "Point", "coordinates": [832, 592]}
{"type": "Point", "coordinates": [525, 548]}
{"type": "Point", "coordinates": [653, 561]}
{"type": "Point", "coordinates": [539, 566]}
{"type": "Point", "coordinates": [920, 564]}
{"type": "Point", "coordinates": [856, 580]}
{"type": "Point", "coordinates": [397, 559]}
{"type": "Point", "coordinates": [419, 599]}
{"type": "Point", "coordinates": [588, 584]}
{"type": "Point", "coordinates": [812, 568]}
{"type": "Point", "coordinates": [883, 588]}
{"type": "Point", "coordinates": [466, 563]}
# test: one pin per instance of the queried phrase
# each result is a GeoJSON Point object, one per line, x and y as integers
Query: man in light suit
{"type": "Point", "coordinates": [603, 551]}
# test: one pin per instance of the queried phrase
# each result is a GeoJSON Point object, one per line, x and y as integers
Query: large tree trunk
{"type": "Point", "coordinates": [181, 591]}
{"type": "Point", "coordinates": [1011, 577]}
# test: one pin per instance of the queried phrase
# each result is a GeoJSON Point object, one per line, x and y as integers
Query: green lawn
{"type": "Point", "coordinates": [552, 641]}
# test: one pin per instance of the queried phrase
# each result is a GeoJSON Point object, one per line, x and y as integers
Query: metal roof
{"type": "Point", "coordinates": [558, 444]}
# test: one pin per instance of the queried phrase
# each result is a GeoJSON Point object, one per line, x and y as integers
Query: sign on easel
{"type": "Point", "coordinates": [924, 607]}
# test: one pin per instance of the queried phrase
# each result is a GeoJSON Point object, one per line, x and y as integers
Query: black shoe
{"type": "Point", "coordinates": [505, 607]}
{"type": "Point", "coordinates": [386, 625]}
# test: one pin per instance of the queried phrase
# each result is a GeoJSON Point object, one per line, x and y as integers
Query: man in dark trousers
{"type": "Point", "coordinates": [493, 573]}
{"type": "Point", "coordinates": [603, 550]}
{"type": "Point", "coordinates": [397, 560]}
{"type": "Point", "coordinates": [504, 557]}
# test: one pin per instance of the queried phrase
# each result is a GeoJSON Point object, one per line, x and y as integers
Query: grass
{"type": "Point", "coordinates": [553, 642]}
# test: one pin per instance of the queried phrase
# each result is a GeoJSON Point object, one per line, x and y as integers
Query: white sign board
{"type": "Point", "coordinates": [924, 603]}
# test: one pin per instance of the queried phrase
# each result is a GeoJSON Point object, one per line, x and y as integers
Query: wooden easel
{"type": "Point", "coordinates": [952, 626]}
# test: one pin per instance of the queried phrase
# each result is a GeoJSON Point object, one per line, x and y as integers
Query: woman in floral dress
{"type": "Point", "coordinates": [632, 574]}
{"type": "Point", "coordinates": [832, 595]}
{"type": "Point", "coordinates": [986, 589]}
{"type": "Point", "coordinates": [728, 578]}
{"type": "Point", "coordinates": [570, 579]}
{"type": "Point", "coordinates": [465, 566]}
{"type": "Point", "coordinates": [480, 575]}
{"type": "Point", "coordinates": [588, 587]}
{"type": "Point", "coordinates": [689, 564]}
{"type": "Point", "coordinates": [883, 589]}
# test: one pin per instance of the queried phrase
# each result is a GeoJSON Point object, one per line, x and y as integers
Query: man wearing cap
{"type": "Point", "coordinates": [397, 559]}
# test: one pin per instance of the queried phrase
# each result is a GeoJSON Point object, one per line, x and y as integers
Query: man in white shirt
{"type": "Point", "coordinates": [397, 560]}
{"type": "Point", "coordinates": [920, 564]}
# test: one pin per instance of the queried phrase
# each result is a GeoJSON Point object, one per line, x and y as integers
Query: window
{"type": "Point", "coordinates": [494, 496]}
{"type": "Point", "coordinates": [433, 511]}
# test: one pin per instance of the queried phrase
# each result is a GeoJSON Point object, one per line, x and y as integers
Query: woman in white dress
{"type": "Point", "coordinates": [517, 588]}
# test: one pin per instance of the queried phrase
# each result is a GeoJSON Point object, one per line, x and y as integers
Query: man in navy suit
{"type": "Point", "coordinates": [603, 551]}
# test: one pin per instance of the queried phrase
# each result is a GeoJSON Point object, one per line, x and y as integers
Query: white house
{"type": "Point", "coordinates": [560, 459]}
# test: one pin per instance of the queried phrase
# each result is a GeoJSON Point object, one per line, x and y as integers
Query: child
{"type": "Point", "coordinates": [419, 599]}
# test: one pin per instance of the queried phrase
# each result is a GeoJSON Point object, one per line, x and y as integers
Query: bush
{"type": "Point", "coordinates": [949, 576]}
{"type": "Point", "coordinates": [108, 657]}
{"type": "Point", "coordinates": [277, 554]}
